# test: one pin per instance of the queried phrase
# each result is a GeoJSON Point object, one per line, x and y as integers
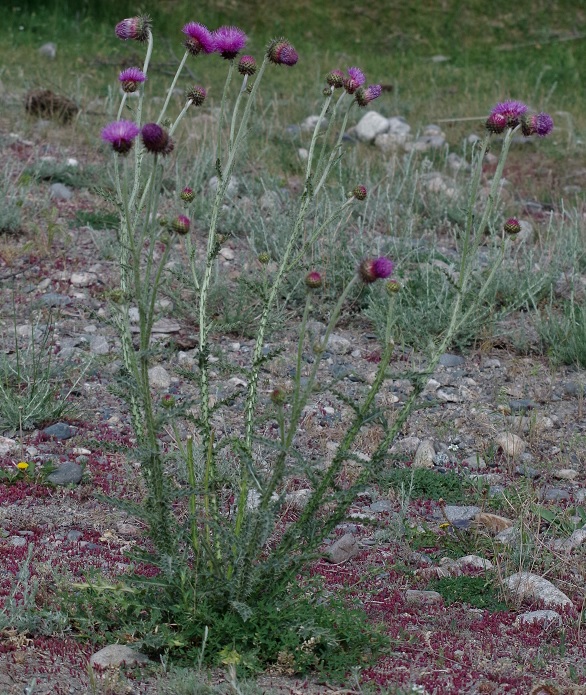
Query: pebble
{"type": "Point", "coordinates": [7, 445]}
{"type": "Point", "coordinates": [99, 345]}
{"type": "Point", "coordinates": [573, 388]}
{"type": "Point", "coordinates": [547, 618]}
{"type": "Point", "coordinates": [68, 473]}
{"type": "Point", "coordinates": [527, 471]}
{"type": "Point", "coordinates": [339, 345]}
{"type": "Point", "coordinates": [449, 360]}
{"type": "Point", "coordinates": [554, 494]}
{"type": "Point", "coordinates": [407, 445]}
{"type": "Point", "coordinates": [227, 253]}
{"type": "Point", "coordinates": [511, 444]}
{"type": "Point", "coordinates": [60, 191]}
{"type": "Point", "coordinates": [115, 655]}
{"type": "Point", "coordinates": [48, 50]}
{"type": "Point", "coordinates": [521, 405]}
{"type": "Point", "coordinates": [419, 597]}
{"type": "Point", "coordinates": [343, 549]}
{"type": "Point", "coordinates": [565, 474]}
{"type": "Point", "coordinates": [60, 430]}
{"type": "Point", "coordinates": [424, 455]}
{"type": "Point", "coordinates": [509, 536]}
{"type": "Point", "coordinates": [159, 377]}
{"type": "Point", "coordinates": [164, 326]}
{"type": "Point", "coordinates": [474, 462]}
{"type": "Point", "coordinates": [310, 123]}
{"type": "Point", "coordinates": [17, 541]}
{"type": "Point", "coordinates": [491, 363]}
{"type": "Point", "coordinates": [456, 513]}
{"type": "Point", "coordinates": [474, 561]}
{"type": "Point", "coordinates": [52, 299]}
{"type": "Point", "coordinates": [74, 536]}
{"type": "Point", "coordinates": [381, 506]}
{"type": "Point", "coordinates": [83, 279]}
{"type": "Point", "coordinates": [574, 541]}
{"type": "Point", "coordinates": [526, 585]}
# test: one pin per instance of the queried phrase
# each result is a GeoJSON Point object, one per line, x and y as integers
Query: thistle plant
{"type": "Point", "coordinates": [229, 551]}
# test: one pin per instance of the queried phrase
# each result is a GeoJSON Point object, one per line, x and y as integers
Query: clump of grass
{"type": "Point", "coordinates": [427, 484]}
{"type": "Point", "coordinates": [478, 592]}
{"type": "Point", "coordinates": [563, 334]}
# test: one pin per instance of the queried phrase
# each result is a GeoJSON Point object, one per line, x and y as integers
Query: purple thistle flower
{"type": "Point", "coordinates": [247, 65]}
{"type": "Point", "coordinates": [540, 124]}
{"type": "Point", "coordinates": [335, 79]}
{"type": "Point", "coordinates": [365, 96]}
{"type": "Point", "coordinates": [313, 280]}
{"type": "Point", "coordinates": [372, 269]}
{"type": "Point", "coordinates": [120, 134]}
{"type": "Point", "coordinates": [496, 123]}
{"type": "Point", "coordinates": [281, 52]}
{"type": "Point", "coordinates": [229, 41]}
{"type": "Point", "coordinates": [131, 78]}
{"type": "Point", "coordinates": [135, 28]}
{"type": "Point", "coordinates": [199, 38]}
{"type": "Point", "coordinates": [156, 140]}
{"type": "Point", "coordinates": [354, 80]}
{"type": "Point", "coordinates": [511, 110]}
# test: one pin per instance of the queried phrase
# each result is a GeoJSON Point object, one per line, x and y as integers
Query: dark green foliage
{"type": "Point", "coordinates": [299, 629]}
{"type": "Point", "coordinates": [475, 591]}
{"type": "Point", "coordinates": [427, 484]}
{"type": "Point", "coordinates": [563, 335]}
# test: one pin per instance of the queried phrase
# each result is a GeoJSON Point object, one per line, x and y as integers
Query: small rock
{"type": "Point", "coordinates": [381, 506]}
{"type": "Point", "coordinates": [474, 463]}
{"type": "Point", "coordinates": [159, 377]}
{"type": "Point", "coordinates": [60, 191]}
{"type": "Point", "coordinates": [491, 363]}
{"type": "Point", "coordinates": [339, 345]}
{"type": "Point", "coordinates": [509, 537]}
{"type": "Point", "coordinates": [298, 498]}
{"type": "Point", "coordinates": [527, 471]}
{"type": "Point", "coordinates": [227, 253]}
{"type": "Point", "coordinates": [232, 188]}
{"type": "Point", "coordinates": [343, 549]}
{"type": "Point", "coordinates": [83, 279]}
{"type": "Point", "coordinates": [511, 444]}
{"type": "Point", "coordinates": [546, 617]}
{"type": "Point", "coordinates": [7, 445]}
{"type": "Point", "coordinates": [449, 360]}
{"type": "Point", "coordinates": [115, 655]}
{"type": "Point", "coordinates": [565, 474]}
{"type": "Point", "coordinates": [310, 123]}
{"type": "Point", "coordinates": [53, 299]}
{"type": "Point", "coordinates": [493, 522]}
{"type": "Point", "coordinates": [573, 388]}
{"type": "Point", "coordinates": [48, 50]}
{"type": "Point", "coordinates": [456, 513]}
{"type": "Point", "coordinates": [303, 154]}
{"type": "Point", "coordinates": [99, 345]}
{"type": "Point", "coordinates": [371, 125]}
{"type": "Point", "coordinates": [74, 536]}
{"type": "Point", "coordinates": [165, 326]}
{"type": "Point", "coordinates": [60, 430]}
{"type": "Point", "coordinates": [521, 405]}
{"type": "Point", "coordinates": [474, 561]}
{"type": "Point", "coordinates": [418, 597]}
{"type": "Point", "coordinates": [407, 445]}
{"type": "Point", "coordinates": [17, 541]}
{"type": "Point", "coordinates": [424, 455]}
{"type": "Point", "coordinates": [68, 473]}
{"type": "Point", "coordinates": [574, 541]}
{"type": "Point", "coordinates": [525, 585]}
{"type": "Point", "coordinates": [554, 494]}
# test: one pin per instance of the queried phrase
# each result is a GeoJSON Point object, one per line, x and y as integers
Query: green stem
{"type": "Point", "coordinates": [222, 115]}
{"type": "Point", "coordinates": [172, 87]}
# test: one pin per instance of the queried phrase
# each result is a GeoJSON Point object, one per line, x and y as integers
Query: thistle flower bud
{"type": "Point", "coordinates": [496, 123]}
{"type": "Point", "coordinates": [392, 287]}
{"type": "Point", "coordinates": [264, 258]}
{"type": "Point", "coordinates": [181, 225]}
{"type": "Point", "coordinates": [156, 140]}
{"type": "Point", "coordinates": [354, 80]}
{"type": "Point", "coordinates": [187, 195]}
{"type": "Point", "coordinates": [540, 124]}
{"type": "Point", "coordinates": [507, 112]}
{"type": "Point", "coordinates": [247, 65]}
{"type": "Point", "coordinates": [281, 52]}
{"type": "Point", "coordinates": [372, 269]}
{"type": "Point", "coordinates": [278, 396]}
{"type": "Point", "coordinates": [196, 95]}
{"type": "Point", "coordinates": [335, 78]}
{"type": "Point", "coordinates": [360, 192]}
{"type": "Point", "coordinates": [168, 401]}
{"type": "Point", "coordinates": [135, 28]}
{"type": "Point", "coordinates": [512, 226]}
{"type": "Point", "coordinates": [365, 96]}
{"type": "Point", "coordinates": [313, 280]}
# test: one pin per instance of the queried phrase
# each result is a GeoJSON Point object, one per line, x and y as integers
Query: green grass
{"type": "Point", "coordinates": [427, 484]}
{"type": "Point", "coordinates": [478, 592]}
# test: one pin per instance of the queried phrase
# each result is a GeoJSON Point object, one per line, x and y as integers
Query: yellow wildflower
{"type": "Point", "coordinates": [22, 465]}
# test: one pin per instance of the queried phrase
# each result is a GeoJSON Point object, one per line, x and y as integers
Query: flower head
{"type": "Point", "coordinates": [365, 96]}
{"type": "Point", "coordinates": [229, 41]}
{"type": "Point", "coordinates": [496, 123]}
{"type": "Point", "coordinates": [313, 280]}
{"type": "Point", "coordinates": [121, 135]}
{"type": "Point", "coordinates": [155, 139]}
{"type": "Point", "coordinates": [512, 226]}
{"type": "Point", "coordinates": [196, 95]}
{"type": "Point", "coordinates": [335, 78]}
{"type": "Point", "coordinates": [247, 65]}
{"type": "Point", "coordinates": [538, 124]}
{"type": "Point", "coordinates": [392, 287]}
{"type": "Point", "coordinates": [372, 269]}
{"type": "Point", "coordinates": [199, 39]}
{"type": "Point", "coordinates": [181, 224]}
{"type": "Point", "coordinates": [354, 80]}
{"type": "Point", "coordinates": [131, 78]}
{"type": "Point", "coordinates": [135, 28]}
{"type": "Point", "coordinates": [22, 465]}
{"type": "Point", "coordinates": [510, 111]}
{"type": "Point", "coordinates": [281, 52]}
{"type": "Point", "coordinates": [360, 192]}
{"type": "Point", "coordinates": [187, 195]}
{"type": "Point", "coordinates": [264, 258]}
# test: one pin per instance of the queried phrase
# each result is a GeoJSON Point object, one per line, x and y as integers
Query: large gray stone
{"type": "Point", "coordinates": [115, 655]}
{"type": "Point", "coordinates": [68, 473]}
{"type": "Point", "coordinates": [526, 585]}
{"type": "Point", "coordinates": [371, 125]}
